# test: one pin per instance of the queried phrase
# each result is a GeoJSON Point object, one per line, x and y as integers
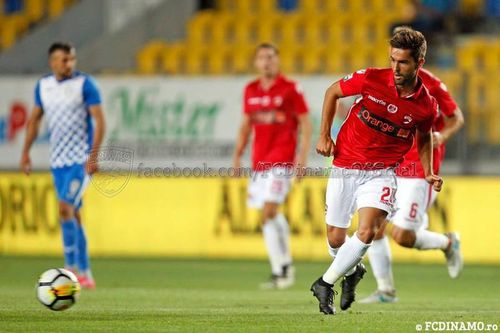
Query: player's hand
{"type": "Point", "coordinates": [325, 146]}
{"type": "Point", "coordinates": [435, 181]}
{"type": "Point", "coordinates": [437, 139]}
{"type": "Point", "coordinates": [26, 164]}
{"type": "Point", "coordinates": [237, 166]}
{"type": "Point", "coordinates": [91, 166]}
{"type": "Point", "coordinates": [300, 168]}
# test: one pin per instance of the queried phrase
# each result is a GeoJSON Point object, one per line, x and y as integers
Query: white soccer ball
{"type": "Point", "coordinates": [58, 289]}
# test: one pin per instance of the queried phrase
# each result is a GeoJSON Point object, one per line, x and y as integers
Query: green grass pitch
{"type": "Point", "coordinates": [182, 295]}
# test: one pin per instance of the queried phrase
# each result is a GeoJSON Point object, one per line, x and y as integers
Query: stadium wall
{"type": "Point", "coordinates": [134, 215]}
{"type": "Point", "coordinates": [160, 119]}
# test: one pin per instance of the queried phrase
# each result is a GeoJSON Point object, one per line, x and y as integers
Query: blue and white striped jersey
{"type": "Point", "coordinates": [65, 104]}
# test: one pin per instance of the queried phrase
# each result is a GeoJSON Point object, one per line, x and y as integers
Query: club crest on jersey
{"type": "Point", "coordinates": [392, 108]}
{"type": "Point", "coordinates": [277, 101]}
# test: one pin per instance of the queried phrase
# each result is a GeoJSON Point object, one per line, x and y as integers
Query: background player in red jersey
{"type": "Point", "coordinates": [275, 111]}
{"type": "Point", "coordinates": [394, 108]}
{"type": "Point", "coordinates": [414, 197]}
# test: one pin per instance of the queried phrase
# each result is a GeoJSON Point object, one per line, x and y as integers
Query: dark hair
{"type": "Point", "coordinates": [267, 46]}
{"type": "Point", "coordinates": [63, 46]}
{"type": "Point", "coordinates": [406, 38]}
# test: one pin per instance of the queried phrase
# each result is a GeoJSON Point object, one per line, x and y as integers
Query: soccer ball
{"type": "Point", "coordinates": [58, 289]}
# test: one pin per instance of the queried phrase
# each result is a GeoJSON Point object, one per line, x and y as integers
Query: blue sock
{"type": "Point", "coordinates": [82, 254]}
{"type": "Point", "coordinates": [68, 228]}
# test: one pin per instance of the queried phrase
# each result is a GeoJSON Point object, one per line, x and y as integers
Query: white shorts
{"type": "Point", "coordinates": [413, 199]}
{"type": "Point", "coordinates": [268, 186]}
{"type": "Point", "coordinates": [349, 190]}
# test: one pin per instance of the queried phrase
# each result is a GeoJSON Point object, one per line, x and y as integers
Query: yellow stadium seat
{"type": "Point", "coordinates": [313, 32]}
{"type": "Point", "coordinates": [477, 84]}
{"type": "Point", "coordinates": [491, 57]}
{"type": "Point", "coordinates": [196, 60]}
{"type": "Point", "coordinates": [244, 7]}
{"type": "Point", "coordinates": [312, 59]}
{"type": "Point", "coordinates": [333, 8]}
{"type": "Point", "coordinates": [337, 30]}
{"type": "Point", "coordinates": [336, 58]}
{"type": "Point", "coordinates": [266, 29]}
{"type": "Point", "coordinates": [199, 26]}
{"type": "Point", "coordinates": [381, 28]}
{"type": "Point", "coordinates": [34, 9]}
{"type": "Point", "coordinates": [218, 60]}
{"type": "Point", "coordinates": [363, 31]}
{"type": "Point", "coordinates": [289, 58]}
{"type": "Point", "coordinates": [288, 28]}
{"type": "Point", "coordinates": [242, 59]}
{"type": "Point", "coordinates": [357, 7]}
{"type": "Point", "coordinates": [471, 6]}
{"type": "Point", "coordinates": [150, 56]}
{"type": "Point", "coordinates": [8, 33]}
{"type": "Point", "coordinates": [220, 29]}
{"type": "Point", "coordinates": [243, 30]}
{"type": "Point", "coordinates": [266, 6]}
{"type": "Point", "coordinates": [492, 105]}
{"type": "Point", "coordinates": [225, 5]}
{"type": "Point", "coordinates": [12, 26]}
{"type": "Point", "coordinates": [466, 57]}
{"type": "Point", "coordinates": [173, 57]}
{"type": "Point", "coordinates": [361, 57]}
{"type": "Point", "coordinates": [310, 7]}
{"type": "Point", "coordinates": [55, 8]}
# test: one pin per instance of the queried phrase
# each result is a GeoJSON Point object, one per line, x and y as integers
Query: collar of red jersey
{"type": "Point", "coordinates": [416, 93]}
{"type": "Point", "coordinates": [279, 78]}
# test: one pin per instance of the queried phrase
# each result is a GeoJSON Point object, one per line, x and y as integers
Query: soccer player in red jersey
{"type": "Point", "coordinates": [413, 199]}
{"type": "Point", "coordinates": [274, 109]}
{"type": "Point", "coordinates": [394, 107]}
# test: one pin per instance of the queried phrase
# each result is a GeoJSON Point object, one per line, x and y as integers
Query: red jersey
{"type": "Point", "coordinates": [274, 117]}
{"type": "Point", "coordinates": [411, 166]}
{"type": "Point", "coordinates": [381, 125]}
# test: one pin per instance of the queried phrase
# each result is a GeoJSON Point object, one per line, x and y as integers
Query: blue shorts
{"type": "Point", "coordinates": [70, 183]}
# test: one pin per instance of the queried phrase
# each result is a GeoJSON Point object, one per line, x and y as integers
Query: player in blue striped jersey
{"type": "Point", "coordinates": [71, 103]}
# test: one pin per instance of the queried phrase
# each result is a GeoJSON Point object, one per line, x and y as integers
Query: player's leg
{"type": "Point", "coordinates": [78, 181]}
{"type": "Point", "coordinates": [336, 238]}
{"type": "Point", "coordinates": [84, 272]}
{"type": "Point", "coordinates": [379, 255]}
{"type": "Point", "coordinates": [340, 203]}
{"type": "Point", "coordinates": [69, 234]}
{"type": "Point", "coordinates": [411, 220]}
{"type": "Point", "coordinates": [374, 198]}
{"type": "Point", "coordinates": [276, 229]}
{"type": "Point", "coordinates": [67, 219]}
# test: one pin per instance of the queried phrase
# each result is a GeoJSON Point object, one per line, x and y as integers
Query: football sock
{"type": "Point", "coordinates": [68, 229]}
{"type": "Point", "coordinates": [333, 252]}
{"type": "Point", "coordinates": [82, 253]}
{"type": "Point", "coordinates": [284, 232]}
{"type": "Point", "coordinates": [271, 233]}
{"type": "Point", "coordinates": [427, 240]}
{"type": "Point", "coordinates": [379, 255]}
{"type": "Point", "coordinates": [348, 256]}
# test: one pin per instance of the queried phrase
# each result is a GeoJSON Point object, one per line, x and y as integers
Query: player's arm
{"type": "Point", "coordinates": [242, 140]}
{"type": "Point", "coordinates": [99, 130]}
{"type": "Point", "coordinates": [305, 128]}
{"type": "Point", "coordinates": [452, 124]}
{"type": "Point", "coordinates": [325, 145]}
{"type": "Point", "coordinates": [424, 145]}
{"type": "Point", "coordinates": [32, 128]}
